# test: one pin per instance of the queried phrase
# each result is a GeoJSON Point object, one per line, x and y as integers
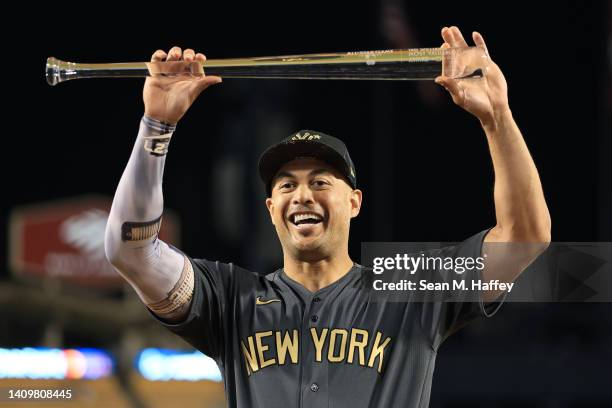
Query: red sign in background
{"type": "Point", "coordinates": [65, 240]}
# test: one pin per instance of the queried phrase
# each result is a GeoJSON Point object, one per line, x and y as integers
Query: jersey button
{"type": "Point", "coordinates": [314, 387]}
{"type": "Point", "coordinates": [317, 299]}
{"type": "Point", "coordinates": [314, 318]}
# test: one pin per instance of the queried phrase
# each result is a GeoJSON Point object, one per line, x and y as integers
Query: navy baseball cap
{"type": "Point", "coordinates": [306, 143]}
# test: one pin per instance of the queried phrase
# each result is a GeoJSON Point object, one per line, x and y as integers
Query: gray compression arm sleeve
{"type": "Point", "coordinates": [147, 263]}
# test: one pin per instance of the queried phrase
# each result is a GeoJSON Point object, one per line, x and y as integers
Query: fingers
{"type": "Point", "coordinates": [206, 80]}
{"type": "Point", "coordinates": [174, 54]}
{"type": "Point", "coordinates": [458, 37]}
{"type": "Point", "coordinates": [453, 36]}
{"type": "Point", "coordinates": [448, 39]}
{"type": "Point", "coordinates": [158, 55]}
{"type": "Point", "coordinates": [200, 57]}
{"type": "Point", "coordinates": [479, 41]}
{"type": "Point", "coordinates": [188, 55]}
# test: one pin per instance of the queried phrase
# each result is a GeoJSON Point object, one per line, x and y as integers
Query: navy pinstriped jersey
{"type": "Point", "coordinates": [279, 345]}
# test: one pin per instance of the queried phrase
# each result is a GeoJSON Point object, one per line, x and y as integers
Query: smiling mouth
{"type": "Point", "coordinates": [305, 218]}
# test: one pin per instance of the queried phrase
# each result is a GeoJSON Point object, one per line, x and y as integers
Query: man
{"type": "Point", "coordinates": [309, 334]}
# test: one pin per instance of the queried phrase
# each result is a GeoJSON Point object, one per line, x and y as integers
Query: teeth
{"type": "Point", "coordinates": [301, 217]}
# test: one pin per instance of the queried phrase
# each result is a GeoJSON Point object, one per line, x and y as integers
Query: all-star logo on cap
{"type": "Point", "coordinates": [305, 136]}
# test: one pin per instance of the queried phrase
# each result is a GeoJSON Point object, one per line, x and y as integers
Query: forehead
{"type": "Point", "coordinates": [305, 164]}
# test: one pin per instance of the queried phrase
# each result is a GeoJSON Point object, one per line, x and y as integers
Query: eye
{"type": "Point", "coordinates": [320, 183]}
{"type": "Point", "coordinates": [285, 185]}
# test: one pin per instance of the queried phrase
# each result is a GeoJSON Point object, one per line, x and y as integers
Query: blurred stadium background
{"type": "Point", "coordinates": [68, 321]}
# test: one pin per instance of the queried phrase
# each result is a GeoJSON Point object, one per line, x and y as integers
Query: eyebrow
{"type": "Point", "coordinates": [315, 172]}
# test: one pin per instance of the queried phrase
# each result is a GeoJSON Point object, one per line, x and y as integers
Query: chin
{"type": "Point", "coordinates": [309, 250]}
{"type": "Point", "coordinates": [307, 245]}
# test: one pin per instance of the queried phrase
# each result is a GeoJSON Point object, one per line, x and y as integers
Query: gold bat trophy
{"type": "Point", "coordinates": [407, 64]}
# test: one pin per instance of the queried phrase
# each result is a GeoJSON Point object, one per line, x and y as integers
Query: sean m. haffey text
{"type": "Point", "coordinates": [422, 263]}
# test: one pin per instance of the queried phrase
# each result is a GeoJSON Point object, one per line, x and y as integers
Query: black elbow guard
{"type": "Point", "coordinates": [140, 231]}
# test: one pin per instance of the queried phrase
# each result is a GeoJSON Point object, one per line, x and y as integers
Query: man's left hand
{"type": "Point", "coordinates": [486, 97]}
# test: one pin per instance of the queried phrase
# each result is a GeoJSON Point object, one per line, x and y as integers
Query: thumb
{"type": "Point", "coordinates": [453, 87]}
{"type": "Point", "coordinates": [204, 82]}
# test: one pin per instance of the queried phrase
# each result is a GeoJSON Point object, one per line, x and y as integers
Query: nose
{"type": "Point", "coordinates": [302, 195]}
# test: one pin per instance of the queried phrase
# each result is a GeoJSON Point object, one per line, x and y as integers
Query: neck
{"type": "Point", "coordinates": [317, 274]}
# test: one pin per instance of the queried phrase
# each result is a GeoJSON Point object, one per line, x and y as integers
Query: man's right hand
{"type": "Point", "coordinates": [168, 98]}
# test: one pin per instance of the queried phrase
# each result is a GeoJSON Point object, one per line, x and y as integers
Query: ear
{"type": "Point", "coordinates": [356, 197]}
{"type": "Point", "coordinates": [270, 205]}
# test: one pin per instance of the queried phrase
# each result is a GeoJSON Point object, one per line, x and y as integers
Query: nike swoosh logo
{"type": "Point", "coordinates": [260, 301]}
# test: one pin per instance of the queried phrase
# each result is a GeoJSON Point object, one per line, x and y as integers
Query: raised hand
{"type": "Point", "coordinates": [484, 97]}
{"type": "Point", "coordinates": [168, 98]}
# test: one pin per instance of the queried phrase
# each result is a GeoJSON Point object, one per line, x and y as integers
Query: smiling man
{"type": "Point", "coordinates": [311, 184]}
{"type": "Point", "coordinates": [310, 334]}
